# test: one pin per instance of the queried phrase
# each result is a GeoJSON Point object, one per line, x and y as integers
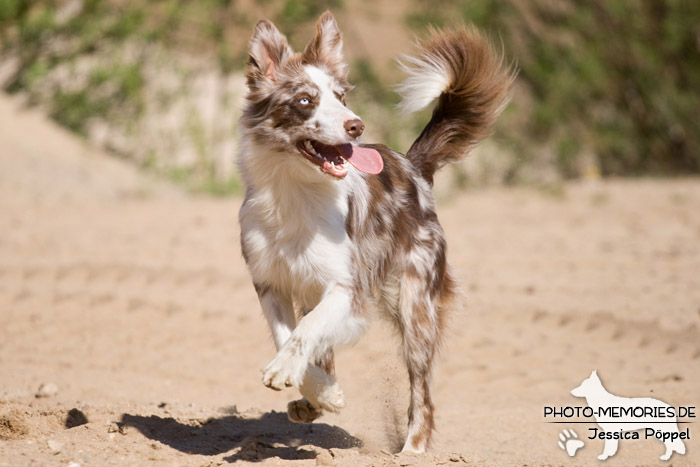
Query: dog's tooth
{"type": "Point", "coordinates": [310, 148]}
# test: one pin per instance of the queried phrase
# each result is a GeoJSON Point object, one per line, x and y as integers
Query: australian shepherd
{"type": "Point", "coordinates": [331, 227]}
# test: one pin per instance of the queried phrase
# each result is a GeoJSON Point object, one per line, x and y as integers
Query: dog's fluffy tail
{"type": "Point", "coordinates": [472, 84]}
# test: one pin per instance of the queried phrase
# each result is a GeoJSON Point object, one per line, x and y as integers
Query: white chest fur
{"type": "Point", "coordinates": [295, 239]}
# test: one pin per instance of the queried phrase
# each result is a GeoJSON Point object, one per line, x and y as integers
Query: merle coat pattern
{"type": "Point", "coordinates": [324, 236]}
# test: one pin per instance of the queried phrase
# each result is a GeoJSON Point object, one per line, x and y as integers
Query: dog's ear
{"type": "Point", "coordinates": [326, 48]}
{"type": "Point", "coordinates": [268, 51]}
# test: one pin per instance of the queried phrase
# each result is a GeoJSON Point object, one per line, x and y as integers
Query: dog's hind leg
{"type": "Point", "coordinates": [420, 328]}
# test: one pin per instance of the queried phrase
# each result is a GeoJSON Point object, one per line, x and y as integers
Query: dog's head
{"type": "Point", "coordinates": [589, 386]}
{"type": "Point", "coordinates": [295, 106]}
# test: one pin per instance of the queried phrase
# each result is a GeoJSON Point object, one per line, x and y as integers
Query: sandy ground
{"type": "Point", "coordinates": [133, 300]}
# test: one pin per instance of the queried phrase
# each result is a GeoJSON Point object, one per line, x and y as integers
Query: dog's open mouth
{"type": "Point", "coordinates": [329, 158]}
{"type": "Point", "coordinates": [333, 160]}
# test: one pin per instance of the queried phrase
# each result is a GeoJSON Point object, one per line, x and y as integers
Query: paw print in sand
{"type": "Point", "coordinates": [569, 442]}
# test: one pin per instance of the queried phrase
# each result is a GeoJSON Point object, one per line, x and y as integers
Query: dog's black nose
{"type": "Point", "coordinates": [354, 127]}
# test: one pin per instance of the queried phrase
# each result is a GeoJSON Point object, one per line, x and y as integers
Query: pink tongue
{"type": "Point", "coordinates": [365, 160]}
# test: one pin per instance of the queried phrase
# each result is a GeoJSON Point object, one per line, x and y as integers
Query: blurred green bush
{"type": "Point", "coordinates": [605, 87]}
{"type": "Point", "coordinates": [617, 80]}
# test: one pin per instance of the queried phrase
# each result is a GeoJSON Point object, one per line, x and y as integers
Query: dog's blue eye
{"type": "Point", "coordinates": [304, 101]}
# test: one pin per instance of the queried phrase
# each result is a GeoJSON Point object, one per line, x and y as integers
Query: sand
{"type": "Point", "coordinates": [132, 300]}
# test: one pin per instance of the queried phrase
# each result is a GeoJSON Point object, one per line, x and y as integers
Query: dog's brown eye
{"type": "Point", "coordinates": [304, 101]}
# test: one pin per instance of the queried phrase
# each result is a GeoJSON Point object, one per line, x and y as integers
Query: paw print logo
{"type": "Point", "coordinates": [569, 442]}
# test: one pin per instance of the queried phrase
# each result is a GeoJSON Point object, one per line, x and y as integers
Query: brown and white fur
{"type": "Point", "coordinates": [323, 247]}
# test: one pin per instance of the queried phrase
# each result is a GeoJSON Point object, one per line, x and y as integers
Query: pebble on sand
{"type": "Point", "coordinates": [55, 446]}
{"type": "Point", "coordinates": [75, 418]}
{"type": "Point", "coordinates": [46, 390]}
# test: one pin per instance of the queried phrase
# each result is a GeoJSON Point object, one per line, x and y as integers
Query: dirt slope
{"type": "Point", "coordinates": [140, 311]}
{"type": "Point", "coordinates": [39, 161]}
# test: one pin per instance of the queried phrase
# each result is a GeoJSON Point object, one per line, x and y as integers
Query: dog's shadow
{"type": "Point", "coordinates": [270, 435]}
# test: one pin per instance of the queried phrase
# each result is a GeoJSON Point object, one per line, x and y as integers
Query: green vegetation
{"type": "Point", "coordinates": [614, 78]}
{"type": "Point", "coordinates": [295, 12]}
{"type": "Point", "coordinates": [605, 87]}
{"type": "Point", "coordinates": [111, 92]}
{"type": "Point", "coordinates": [43, 40]}
{"type": "Point", "coordinates": [84, 61]}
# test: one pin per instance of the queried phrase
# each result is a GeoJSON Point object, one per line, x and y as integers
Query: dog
{"type": "Point", "coordinates": [616, 426]}
{"type": "Point", "coordinates": [331, 227]}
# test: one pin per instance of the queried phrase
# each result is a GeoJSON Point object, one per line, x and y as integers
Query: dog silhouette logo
{"type": "Point", "coordinates": [623, 417]}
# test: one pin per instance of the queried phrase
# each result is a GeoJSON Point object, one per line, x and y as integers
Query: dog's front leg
{"type": "Point", "coordinates": [279, 313]}
{"type": "Point", "coordinates": [331, 323]}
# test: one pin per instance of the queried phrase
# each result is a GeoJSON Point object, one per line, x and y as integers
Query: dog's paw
{"type": "Point", "coordinates": [302, 411]}
{"type": "Point", "coordinates": [332, 398]}
{"type": "Point", "coordinates": [285, 370]}
{"type": "Point", "coordinates": [322, 390]}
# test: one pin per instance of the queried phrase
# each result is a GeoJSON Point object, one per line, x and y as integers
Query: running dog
{"type": "Point", "coordinates": [330, 227]}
